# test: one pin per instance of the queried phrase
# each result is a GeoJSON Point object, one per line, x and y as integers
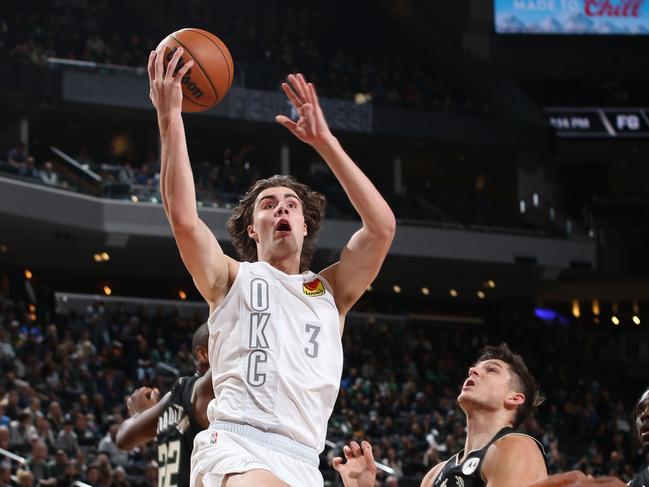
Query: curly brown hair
{"type": "Point", "coordinates": [313, 208]}
{"type": "Point", "coordinates": [526, 383]}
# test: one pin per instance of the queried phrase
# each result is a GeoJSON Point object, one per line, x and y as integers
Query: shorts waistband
{"type": "Point", "coordinates": [274, 441]}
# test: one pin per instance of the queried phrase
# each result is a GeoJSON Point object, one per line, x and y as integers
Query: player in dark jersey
{"type": "Point", "coordinates": [641, 416]}
{"type": "Point", "coordinates": [498, 395]}
{"type": "Point", "coordinates": [175, 420]}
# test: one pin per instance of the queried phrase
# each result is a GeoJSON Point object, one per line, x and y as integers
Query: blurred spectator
{"type": "Point", "coordinates": [67, 439]}
{"type": "Point", "coordinates": [48, 176]}
{"type": "Point", "coordinates": [17, 156]}
{"type": "Point", "coordinates": [25, 478]}
{"type": "Point", "coordinates": [107, 445]}
{"type": "Point", "coordinates": [38, 465]}
{"type": "Point", "coordinates": [28, 169]}
{"type": "Point", "coordinates": [21, 430]}
{"type": "Point", "coordinates": [5, 474]}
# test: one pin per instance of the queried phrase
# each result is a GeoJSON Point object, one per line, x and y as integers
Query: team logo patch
{"type": "Point", "coordinates": [470, 465]}
{"type": "Point", "coordinates": [314, 288]}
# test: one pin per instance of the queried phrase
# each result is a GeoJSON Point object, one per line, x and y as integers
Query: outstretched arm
{"type": "Point", "coordinates": [144, 407]}
{"type": "Point", "coordinates": [363, 255]}
{"type": "Point", "coordinates": [201, 253]}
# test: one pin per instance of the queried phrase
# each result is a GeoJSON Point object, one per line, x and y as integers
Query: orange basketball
{"type": "Point", "coordinates": [209, 79]}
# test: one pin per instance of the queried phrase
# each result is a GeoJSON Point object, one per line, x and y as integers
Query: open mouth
{"type": "Point", "coordinates": [468, 383]}
{"type": "Point", "coordinates": [283, 226]}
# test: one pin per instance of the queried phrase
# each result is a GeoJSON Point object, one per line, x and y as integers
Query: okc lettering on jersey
{"type": "Point", "coordinates": [258, 343]}
{"type": "Point", "coordinates": [174, 415]}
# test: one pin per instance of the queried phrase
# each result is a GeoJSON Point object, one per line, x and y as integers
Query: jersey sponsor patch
{"type": "Point", "coordinates": [470, 465]}
{"type": "Point", "coordinates": [314, 288]}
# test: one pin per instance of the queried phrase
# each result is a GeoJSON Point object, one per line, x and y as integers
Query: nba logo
{"type": "Point", "coordinates": [214, 437]}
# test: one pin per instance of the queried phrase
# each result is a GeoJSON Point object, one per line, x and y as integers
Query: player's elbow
{"type": "Point", "coordinates": [123, 441]}
{"type": "Point", "coordinates": [182, 222]}
{"type": "Point", "coordinates": [386, 229]}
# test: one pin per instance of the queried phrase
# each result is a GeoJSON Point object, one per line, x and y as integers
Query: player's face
{"type": "Point", "coordinates": [278, 222]}
{"type": "Point", "coordinates": [642, 418]}
{"type": "Point", "coordinates": [489, 386]}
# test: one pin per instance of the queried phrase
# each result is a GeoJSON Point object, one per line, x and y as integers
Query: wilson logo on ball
{"type": "Point", "coordinates": [195, 91]}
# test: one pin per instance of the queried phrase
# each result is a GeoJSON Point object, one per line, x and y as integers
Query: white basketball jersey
{"type": "Point", "coordinates": [276, 354]}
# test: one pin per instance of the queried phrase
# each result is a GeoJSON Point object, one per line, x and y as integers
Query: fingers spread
{"type": "Point", "coordinates": [286, 122]}
{"type": "Point", "coordinates": [348, 453]}
{"type": "Point", "coordinates": [298, 87]}
{"type": "Point", "coordinates": [356, 449]}
{"type": "Point", "coordinates": [171, 67]}
{"type": "Point", "coordinates": [337, 463]}
{"type": "Point", "coordinates": [291, 95]}
{"type": "Point", "coordinates": [367, 451]}
{"type": "Point", "coordinates": [313, 95]}
{"type": "Point", "coordinates": [151, 66]}
{"type": "Point", "coordinates": [183, 71]}
{"type": "Point", "coordinates": [159, 66]}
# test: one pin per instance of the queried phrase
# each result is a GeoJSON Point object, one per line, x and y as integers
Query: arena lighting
{"type": "Point", "coordinates": [453, 293]}
{"type": "Point", "coordinates": [105, 256]}
{"type": "Point", "coordinates": [481, 295]}
{"type": "Point", "coordinates": [182, 294]}
{"type": "Point", "coordinates": [576, 311]}
{"type": "Point", "coordinates": [595, 307]}
{"type": "Point", "coordinates": [97, 258]}
{"type": "Point", "coordinates": [491, 284]}
{"type": "Point", "coordinates": [32, 308]}
{"type": "Point", "coordinates": [425, 291]}
{"type": "Point", "coordinates": [550, 315]}
{"type": "Point", "coordinates": [396, 288]}
{"type": "Point", "coordinates": [28, 274]}
{"type": "Point", "coordinates": [636, 319]}
{"type": "Point", "coordinates": [107, 290]}
{"type": "Point", "coordinates": [33, 317]}
{"type": "Point", "coordinates": [615, 320]}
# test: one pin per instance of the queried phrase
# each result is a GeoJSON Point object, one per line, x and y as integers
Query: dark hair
{"type": "Point", "coordinates": [200, 337]}
{"type": "Point", "coordinates": [636, 411]}
{"type": "Point", "coordinates": [526, 381]}
{"type": "Point", "coordinates": [313, 208]}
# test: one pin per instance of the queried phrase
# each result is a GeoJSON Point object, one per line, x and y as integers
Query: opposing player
{"type": "Point", "coordinates": [641, 416]}
{"type": "Point", "coordinates": [498, 395]}
{"type": "Point", "coordinates": [175, 420]}
{"type": "Point", "coordinates": [275, 328]}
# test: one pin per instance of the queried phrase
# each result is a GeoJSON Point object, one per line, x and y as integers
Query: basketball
{"type": "Point", "coordinates": [209, 80]}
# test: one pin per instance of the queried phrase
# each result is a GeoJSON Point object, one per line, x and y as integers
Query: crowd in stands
{"type": "Point", "coordinates": [221, 183]}
{"type": "Point", "coordinates": [65, 376]}
{"type": "Point", "coordinates": [20, 163]}
{"type": "Point", "coordinates": [267, 43]}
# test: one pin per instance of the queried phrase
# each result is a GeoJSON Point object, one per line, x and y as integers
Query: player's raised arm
{"type": "Point", "coordinates": [202, 255]}
{"type": "Point", "coordinates": [144, 407]}
{"type": "Point", "coordinates": [363, 255]}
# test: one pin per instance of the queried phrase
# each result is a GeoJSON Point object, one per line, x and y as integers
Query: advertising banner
{"type": "Point", "coordinates": [572, 17]}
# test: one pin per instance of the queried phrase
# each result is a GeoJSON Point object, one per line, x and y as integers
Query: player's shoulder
{"type": "Point", "coordinates": [433, 473]}
{"type": "Point", "coordinates": [514, 446]}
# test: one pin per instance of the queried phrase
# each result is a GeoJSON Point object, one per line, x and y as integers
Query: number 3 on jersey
{"type": "Point", "coordinates": [312, 331]}
{"type": "Point", "coordinates": [168, 458]}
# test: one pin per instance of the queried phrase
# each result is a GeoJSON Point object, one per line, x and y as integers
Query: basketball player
{"type": "Point", "coordinates": [498, 395]}
{"type": "Point", "coordinates": [175, 420]}
{"type": "Point", "coordinates": [275, 327]}
{"type": "Point", "coordinates": [641, 416]}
